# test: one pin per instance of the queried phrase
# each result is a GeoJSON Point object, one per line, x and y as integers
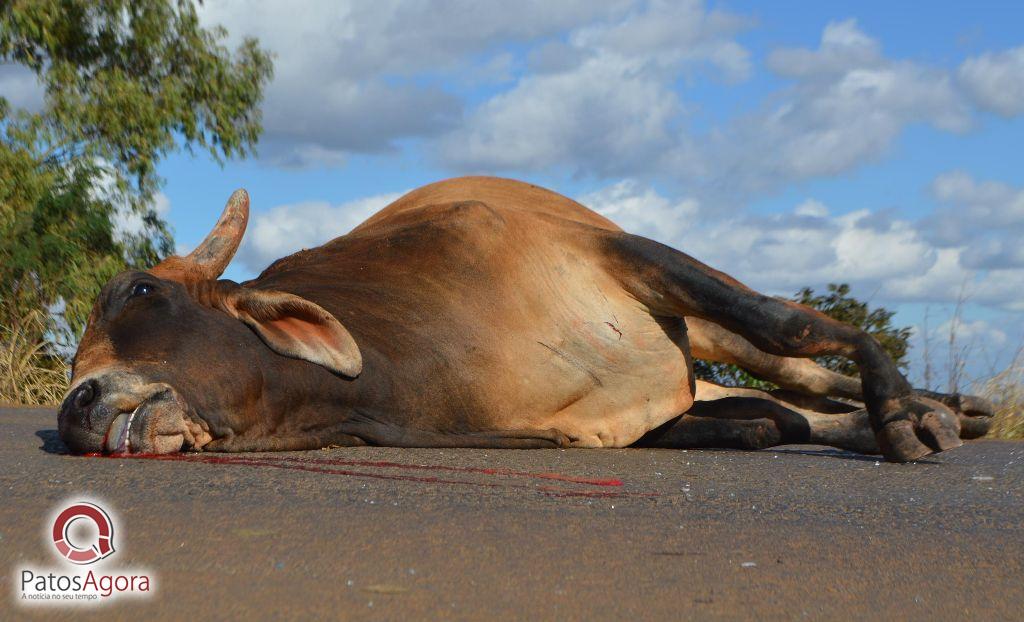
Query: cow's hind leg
{"type": "Point", "coordinates": [711, 342]}
{"type": "Point", "coordinates": [670, 283]}
{"type": "Point", "coordinates": [742, 418]}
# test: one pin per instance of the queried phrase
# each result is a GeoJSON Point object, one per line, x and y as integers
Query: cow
{"type": "Point", "coordinates": [476, 312]}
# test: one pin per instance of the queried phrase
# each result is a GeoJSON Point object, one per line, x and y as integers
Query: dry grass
{"type": "Point", "coordinates": [1005, 388]}
{"type": "Point", "coordinates": [1006, 391]}
{"type": "Point", "coordinates": [27, 374]}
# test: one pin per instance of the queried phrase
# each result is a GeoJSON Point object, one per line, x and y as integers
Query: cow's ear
{"type": "Point", "coordinates": [293, 326]}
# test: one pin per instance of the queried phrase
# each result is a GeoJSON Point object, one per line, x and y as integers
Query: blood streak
{"type": "Point", "coordinates": [330, 466]}
{"type": "Point", "coordinates": [455, 469]}
{"type": "Point", "coordinates": [615, 328]}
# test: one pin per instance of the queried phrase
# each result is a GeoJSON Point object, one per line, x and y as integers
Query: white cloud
{"type": "Point", "coordinates": [985, 198]}
{"type": "Point", "coordinates": [869, 251]}
{"type": "Point", "coordinates": [988, 203]}
{"type": "Point", "coordinates": [604, 102]}
{"type": "Point", "coordinates": [604, 116]}
{"type": "Point", "coordinates": [783, 252]}
{"type": "Point", "coordinates": [128, 222]}
{"type": "Point", "coordinates": [985, 218]}
{"type": "Point", "coordinates": [962, 350]}
{"type": "Point", "coordinates": [811, 207]}
{"type": "Point", "coordinates": [843, 47]}
{"type": "Point", "coordinates": [1002, 288]}
{"type": "Point", "coordinates": [19, 86]}
{"type": "Point", "coordinates": [286, 229]}
{"type": "Point", "coordinates": [943, 281]}
{"type": "Point", "coordinates": [591, 88]}
{"type": "Point", "coordinates": [674, 35]}
{"type": "Point", "coordinates": [607, 103]}
{"type": "Point", "coordinates": [775, 253]}
{"type": "Point", "coordinates": [968, 330]}
{"type": "Point", "coordinates": [847, 105]}
{"type": "Point", "coordinates": [996, 80]}
{"type": "Point", "coordinates": [360, 76]}
{"type": "Point", "coordinates": [883, 256]}
{"type": "Point", "coordinates": [643, 210]}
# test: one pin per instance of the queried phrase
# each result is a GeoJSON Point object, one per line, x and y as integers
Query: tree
{"type": "Point", "coordinates": [837, 304]}
{"type": "Point", "coordinates": [840, 305]}
{"type": "Point", "coordinates": [125, 83]}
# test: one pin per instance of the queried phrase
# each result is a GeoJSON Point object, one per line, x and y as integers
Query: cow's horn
{"type": "Point", "coordinates": [214, 254]}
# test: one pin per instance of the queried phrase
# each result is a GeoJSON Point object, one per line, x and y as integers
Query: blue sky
{"type": "Point", "coordinates": [794, 144]}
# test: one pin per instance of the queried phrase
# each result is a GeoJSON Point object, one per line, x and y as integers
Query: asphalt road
{"type": "Point", "coordinates": [373, 533]}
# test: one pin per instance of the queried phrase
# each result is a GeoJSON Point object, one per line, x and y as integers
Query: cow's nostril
{"type": "Point", "coordinates": [85, 394]}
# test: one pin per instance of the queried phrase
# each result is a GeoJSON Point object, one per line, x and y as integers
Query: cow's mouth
{"type": "Point", "coordinates": [138, 417]}
{"type": "Point", "coordinates": [118, 438]}
{"type": "Point", "coordinates": [160, 424]}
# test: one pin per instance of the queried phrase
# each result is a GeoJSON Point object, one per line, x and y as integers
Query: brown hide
{"type": "Point", "coordinates": [477, 306]}
{"type": "Point", "coordinates": [475, 312]}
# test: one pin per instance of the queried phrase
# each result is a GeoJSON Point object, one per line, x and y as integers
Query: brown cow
{"type": "Point", "coordinates": [475, 312]}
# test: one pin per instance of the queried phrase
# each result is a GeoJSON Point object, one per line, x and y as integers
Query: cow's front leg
{"type": "Point", "coordinates": [378, 429]}
{"type": "Point", "coordinates": [708, 430]}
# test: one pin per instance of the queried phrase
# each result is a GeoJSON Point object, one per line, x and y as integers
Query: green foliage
{"type": "Point", "coordinates": [58, 251]}
{"type": "Point", "coordinates": [728, 375]}
{"type": "Point", "coordinates": [837, 304]}
{"type": "Point", "coordinates": [125, 80]}
{"type": "Point", "coordinates": [125, 83]}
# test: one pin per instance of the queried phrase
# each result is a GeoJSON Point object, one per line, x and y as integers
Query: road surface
{"type": "Point", "coordinates": [375, 533]}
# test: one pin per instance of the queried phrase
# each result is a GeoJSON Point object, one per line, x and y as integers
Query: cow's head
{"type": "Point", "coordinates": [173, 358]}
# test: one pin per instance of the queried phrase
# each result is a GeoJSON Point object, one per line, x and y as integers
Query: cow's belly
{"type": "Point", "coordinates": [598, 367]}
{"type": "Point", "coordinates": [644, 380]}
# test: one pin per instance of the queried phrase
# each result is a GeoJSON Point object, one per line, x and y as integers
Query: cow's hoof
{"type": "Point", "coordinates": [974, 427]}
{"type": "Point", "coordinates": [919, 427]}
{"type": "Point", "coordinates": [975, 413]}
{"type": "Point", "coordinates": [759, 434]}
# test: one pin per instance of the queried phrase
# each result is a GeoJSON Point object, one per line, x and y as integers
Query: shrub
{"type": "Point", "coordinates": [29, 373]}
{"type": "Point", "coordinates": [1006, 391]}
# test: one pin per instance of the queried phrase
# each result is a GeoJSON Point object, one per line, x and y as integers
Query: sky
{"type": "Point", "coordinates": [791, 144]}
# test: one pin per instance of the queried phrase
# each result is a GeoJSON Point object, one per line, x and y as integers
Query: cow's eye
{"type": "Point", "coordinates": [141, 289]}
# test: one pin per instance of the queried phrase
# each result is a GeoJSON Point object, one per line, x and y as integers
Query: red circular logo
{"type": "Point", "coordinates": [75, 552]}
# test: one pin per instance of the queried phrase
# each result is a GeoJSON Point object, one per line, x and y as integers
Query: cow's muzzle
{"type": "Point", "coordinates": [120, 413]}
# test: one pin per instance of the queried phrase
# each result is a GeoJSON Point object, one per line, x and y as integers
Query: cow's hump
{"type": "Point", "coordinates": [499, 193]}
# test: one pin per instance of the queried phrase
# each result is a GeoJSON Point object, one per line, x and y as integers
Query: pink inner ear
{"type": "Point", "coordinates": [295, 327]}
{"type": "Point", "coordinates": [303, 331]}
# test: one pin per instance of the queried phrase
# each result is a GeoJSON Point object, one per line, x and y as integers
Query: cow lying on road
{"type": "Point", "coordinates": [476, 312]}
